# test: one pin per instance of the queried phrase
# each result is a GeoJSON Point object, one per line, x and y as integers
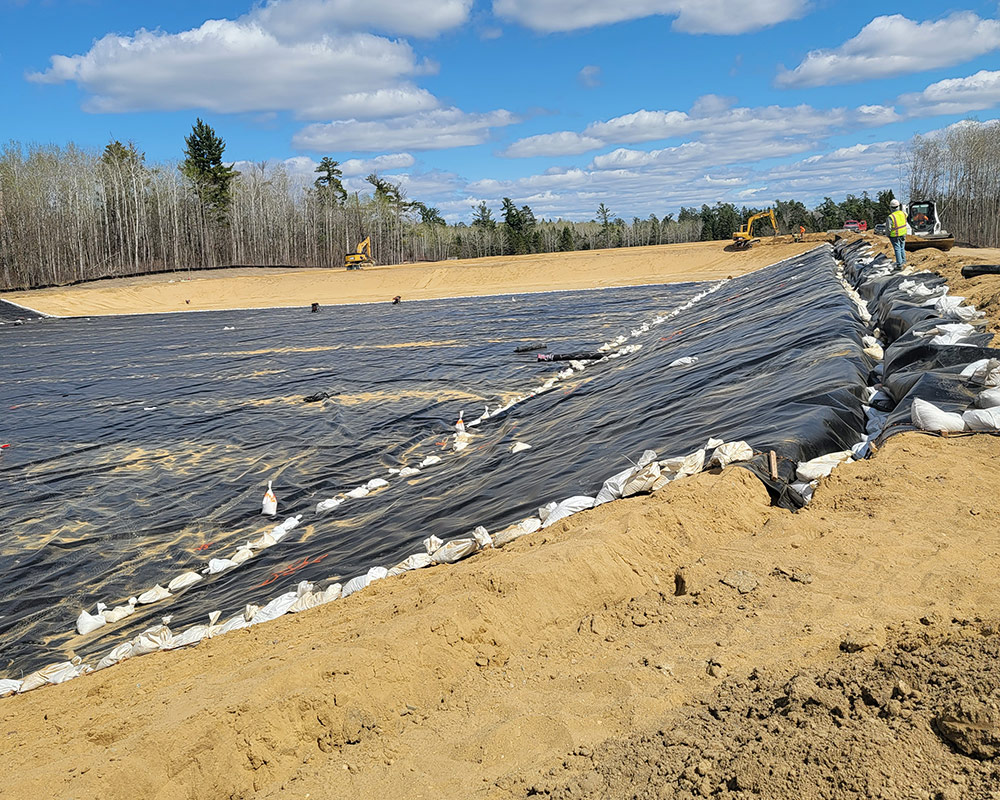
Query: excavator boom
{"type": "Point", "coordinates": [743, 238]}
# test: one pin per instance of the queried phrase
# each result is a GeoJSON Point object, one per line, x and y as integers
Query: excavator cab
{"type": "Point", "coordinates": [362, 255]}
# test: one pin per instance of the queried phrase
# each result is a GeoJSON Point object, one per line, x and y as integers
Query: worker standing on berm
{"type": "Point", "coordinates": [897, 232]}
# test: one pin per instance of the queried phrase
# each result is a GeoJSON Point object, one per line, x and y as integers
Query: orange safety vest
{"type": "Point", "coordinates": [897, 224]}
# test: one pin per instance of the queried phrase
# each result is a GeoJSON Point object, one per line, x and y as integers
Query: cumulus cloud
{"type": "Point", "coordinates": [894, 45]}
{"type": "Point", "coordinates": [955, 95]}
{"type": "Point", "coordinates": [437, 129]}
{"type": "Point", "coordinates": [384, 163]}
{"type": "Point", "coordinates": [302, 19]}
{"type": "Point", "coordinates": [562, 143]}
{"type": "Point", "coordinates": [690, 16]}
{"type": "Point", "coordinates": [217, 67]}
{"type": "Point", "coordinates": [784, 129]}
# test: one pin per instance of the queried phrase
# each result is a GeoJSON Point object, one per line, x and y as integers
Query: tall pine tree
{"type": "Point", "coordinates": [202, 165]}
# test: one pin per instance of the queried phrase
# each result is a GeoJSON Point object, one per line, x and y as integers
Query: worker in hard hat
{"type": "Point", "coordinates": [896, 225]}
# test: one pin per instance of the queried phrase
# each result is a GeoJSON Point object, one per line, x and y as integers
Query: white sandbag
{"type": "Point", "coordinates": [455, 550]}
{"type": "Point", "coordinates": [988, 398]}
{"type": "Point", "coordinates": [59, 672]}
{"type": "Point", "coordinates": [612, 488]}
{"type": "Point", "coordinates": [376, 483]}
{"type": "Point", "coordinates": [154, 595]}
{"type": "Point", "coordinates": [408, 472]}
{"type": "Point", "coordinates": [712, 443]}
{"type": "Point", "coordinates": [416, 561]}
{"type": "Point", "coordinates": [821, 466]}
{"type": "Point", "coordinates": [263, 542]}
{"type": "Point", "coordinates": [233, 624]}
{"type": "Point", "coordinates": [329, 504]}
{"type": "Point", "coordinates": [116, 655]}
{"type": "Point", "coordinates": [358, 492]}
{"type": "Point", "coordinates": [544, 511]}
{"type": "Point", "coordinates": [985, 371]}
{"type": "Point", "coordinates": [269, 505]}
{"type": "Point", "coordinates": [314, 599]}
{"type": "Point", "coordinates": [461, 442]}
{"type": "Point", "coordinates": [119, 613]}
{"type": "Point", "coordinates": [868, 341]}
{"type": "Point", "coordinates": [183, 580]}
{"type": "Point", "coordinates": [672, 469]}
{"type": "Point", "coordinates": [686, 361]}
{"type": "Point", "coordinates": [726, 454]}
{"type": "Point", "coordinates": [242, 554]}
{"type": "Point", "coordinates": [519, 447]}
{"type": "Point", "coordinates": [805, 489]}
{"type": "Point", "coordinates": [151, 640]}
{"type": "Point", "coordinates": [278, 607]}
{"type": "Point", "coordinates": [875, 351]}
{"type": "Point", "coordinates": [928, 417]}
{"type": "Point", "coordinates": [432, 543]}
{"type": "Point", "coordinates": [642, 479]}
{"type": "Point", "coordinates": [522, 528]}
{"type": "Point", "coordinates": [88, 623]}
{"type": "Point", "coordinates": [862, 448]}
{"type": "Point", "coordinates": [982, 419]}
{"type": "Point", "coordinates": [569, 506]}
{"type": "Point", "coordinates": [194, 634]}
{"type": "Point", "coordinates": [430, 461]}
{"type": "Point", "coordinates": [951, 307]}
{"type": "Point", "coordinates": [215, 566]}
{"type": "Point", "coordinates": [361, 581]}
{"type": "Point", "coordinates": [281, 531]}
{"type": "Point", "coordinates": [482, 537]}
{"type": "Point", "coordinates": [8, 686]}
{"type": "Point", "coordinates": [577, 366]}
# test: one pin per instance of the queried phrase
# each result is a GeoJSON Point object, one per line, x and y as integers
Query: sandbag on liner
{"type": "Point", "coordinates": [9, 687]}
{"type": "Point", "coordinates": [983, 420]}
{"type": "Point", "coordinates": [821, 466]}
{"type": "Point", "coordinates": [988, 398]}
{"type": "Point", "coordinates": [928, 417]}
{"type": "Point", "coordinates": [455, 550]}
{"type": "Point", "coordinates": [87, 623]}
{"type": "Point", "coordinates": [416, 561]}
{"type": "Point", "coordinates": [120, 612]}
{"type": "Point", "coordinates": [726, 454]}
{"type": "Point", "coordinates": [516, 531]}
{"type": "Point", "coordinates": [59, 672]}
{"type": "Point", "coordinates": [183, 580]}
{"type": "Point", "coordinates": [361, 581]}
{"type": "Point", "coordinates": [569, 506]}
{"type": "Point", "coordinates": [154, 595]}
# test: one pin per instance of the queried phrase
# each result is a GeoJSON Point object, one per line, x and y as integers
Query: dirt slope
{"type": "Point", "coordinates": [475, 680]}
{"type": "Point", "coordinates": [201, 290]}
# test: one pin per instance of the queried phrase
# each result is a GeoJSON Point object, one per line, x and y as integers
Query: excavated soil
{"type": "Point", "coordinates": [696, 642]}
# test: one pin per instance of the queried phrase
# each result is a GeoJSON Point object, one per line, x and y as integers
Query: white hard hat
{"type": "Point", "coordinates": [893, 203]}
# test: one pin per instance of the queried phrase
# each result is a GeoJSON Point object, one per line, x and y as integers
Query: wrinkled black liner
{"type": "Point", "coordinates": [780, 365]}
{"type": "Point", "coordinates": [913, 367]}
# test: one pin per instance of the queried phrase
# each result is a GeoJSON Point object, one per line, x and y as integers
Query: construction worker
{"type": "Point", "coordinates": [801, 234]}
{"type": "Point", "coordinates": [897, 232]}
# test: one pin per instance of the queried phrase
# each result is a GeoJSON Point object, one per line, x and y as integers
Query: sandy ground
{"type": "Point", "coordinates": [265, 288]}
{"type": "Point", "coordinates": [697, 642]}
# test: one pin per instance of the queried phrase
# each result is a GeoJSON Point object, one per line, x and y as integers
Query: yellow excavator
{"type": "Point", "coordinates": [362, 255]}
{"type": "Point", "coordinates": [743, 239]}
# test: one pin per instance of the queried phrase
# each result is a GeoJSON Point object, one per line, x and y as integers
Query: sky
{"type": "Point", "coordinates": [643, 105]}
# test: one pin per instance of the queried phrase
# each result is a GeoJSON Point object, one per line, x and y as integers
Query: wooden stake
{"type": "Point", "coordinates": [772, 458]}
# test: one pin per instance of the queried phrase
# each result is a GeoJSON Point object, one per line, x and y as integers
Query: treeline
{"type": "Point", "coordinates": [69, 214]}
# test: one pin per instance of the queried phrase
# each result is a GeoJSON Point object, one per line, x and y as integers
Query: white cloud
{"type": "Point", "coordinates": [302, 19]}
{"type": "Point", "coordinates": [894, 45]}
{"type": "Point", "coordinates": [217, 67]}
{"type": "Point", "coordinates": [589, 76]}
{"type": "Point", "coordinates": [955, 95]}
{"type": "Point", "coordinates": [562, 143]}
{"type": "Point", "coordinates": [438, 129]}
{"type": "Point", "coordinates": [385, 163]}
{"type": "Point", "coordinates": [691, 16]}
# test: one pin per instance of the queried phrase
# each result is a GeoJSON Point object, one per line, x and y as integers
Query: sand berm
{"type": "Point", "coordinates": [608, 656]}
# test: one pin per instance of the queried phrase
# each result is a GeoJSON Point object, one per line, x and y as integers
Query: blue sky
{"type": "Point", "coordinates": [644, 105]}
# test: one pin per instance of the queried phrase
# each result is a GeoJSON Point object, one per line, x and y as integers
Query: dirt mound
{"type": "Point", "coordinates": [918, 719]}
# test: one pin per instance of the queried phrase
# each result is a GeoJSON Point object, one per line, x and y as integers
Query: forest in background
{"type": "Point", "coordinates": [69, 214]}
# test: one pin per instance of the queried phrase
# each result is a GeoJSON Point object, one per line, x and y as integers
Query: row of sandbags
{"type": "Point", "coordinates": [936, 329]}
{"type": "Point", "coordinates": [436, 552]}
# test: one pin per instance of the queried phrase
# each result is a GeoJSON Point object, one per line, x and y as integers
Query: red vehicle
{"type": "Point", "coordinates": [856, 226]}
